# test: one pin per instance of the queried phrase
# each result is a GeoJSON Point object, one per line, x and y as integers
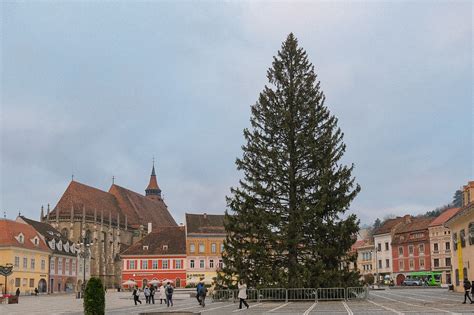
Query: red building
{"type": "Point", "coordinates": [160, 255]}
{"type": "Point", "coordinates": [411, 247]}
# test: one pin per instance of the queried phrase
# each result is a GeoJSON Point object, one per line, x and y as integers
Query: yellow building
{"type": "Point", "coordinates": [22, 246]}
{"type": "Point", "coordinates": [205, 235]}
{"type": "Point", "coordinates": [462, 231]}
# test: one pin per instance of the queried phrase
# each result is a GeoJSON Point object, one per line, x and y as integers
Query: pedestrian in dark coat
{"type": "Point", "coordinates": [17, 293]}
{"type": "Point", "coordinates": [467, 289]}
{"type": "Point", "coordinates": [169, 294]}
{"type": "Point", "coordinates": [136, 296]}
{"type": "Point", "coordinates": [152, 294]}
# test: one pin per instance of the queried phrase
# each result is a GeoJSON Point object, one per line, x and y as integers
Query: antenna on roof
{"type": "Point", "coordinates": [72, 177]}
{"type": "Point", "coordinates": [4, 214]}
{"type": "Point", "coordinates": [113, 180]}
{"type": "Point", "coordinates": [19, 212]}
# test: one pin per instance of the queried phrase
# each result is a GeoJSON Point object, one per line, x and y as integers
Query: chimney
{"type": "Point", "coordinates": [205, 215]}
{"type": "Point", "coordinates": [149, 227]}
{"type": "Point", "coordinates": [407, 218]}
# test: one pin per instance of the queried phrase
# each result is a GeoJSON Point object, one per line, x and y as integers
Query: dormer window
{"type": "Point", "coordinates": [145, 247]}
{"type": "Point", "coordinates": [20, 238]}
{"type": "Point", "coordinates": [35, 241]}
{"type": "Point", "coordinates": [165, 247]}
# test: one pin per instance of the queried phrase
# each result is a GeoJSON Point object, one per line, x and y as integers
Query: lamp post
{"type": "Point", "coordinates": [6, 271]}
{"type": "Point", "coordinates": [84, 252]}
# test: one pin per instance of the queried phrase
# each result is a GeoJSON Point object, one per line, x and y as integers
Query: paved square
{"type": "Point", "coordinates": [391, 301]}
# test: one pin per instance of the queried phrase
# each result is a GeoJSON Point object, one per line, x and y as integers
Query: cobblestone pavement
{"type": "Point", "coordinates": [390, 301]}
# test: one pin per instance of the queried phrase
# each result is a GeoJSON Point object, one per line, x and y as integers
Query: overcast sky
{"type": "Point", "coordinates": [97, 89]}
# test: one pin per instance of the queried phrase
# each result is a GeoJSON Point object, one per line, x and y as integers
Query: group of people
{"type": "Point", "coordinates": [164, 292]}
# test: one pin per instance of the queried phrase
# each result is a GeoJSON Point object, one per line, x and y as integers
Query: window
{"type": "Point", "coordinates": [165, 248]}
{"type": "Point", "coordinates": [132, 264]}
{"type": "Point", "coordinates": [36, 241]}
{"type": "Point", "coordinates": [448, 261]}
{"type": "Point", "coordinates": [43, 264]}
{"type": "Point", "coordinates": [165, 264]}
{"type": "Point", "coordinates": [25, 262]}
{"type": "Point", "coordinates": [410, 249]}
{"type": "Point", "coordinates": [435, 247]}
{"type": "Point", "coordinates": [421, 249]}
{"type": "Point", "coordinates": [387, 263]}
{"type": "Point", "coordinates": [412, 264]}
{"type": "Point", "coordinates": [379, 247]}
{"type": "Point", "coordinates": [201, 248]}
{"type": "Point", "coordinates": [154, 264]}
{"type": "Point", "coordinates": [400, 250]}
{"type": "Point", "coordinates": [221, 264]}
{"type": "Point", "coordinates": [192, 248]}
{"type": "Point", "coordinates": [17, 261]}
{"type": "Point", "coordinates": [448, 246]}
{"type": "Point", "coordinates": [457, 276]}
{"type": "Point", "coordinates": [422, 263]}
{"type": "Point", "coordinates": [21, 238]}
{"type": "Point", "coordinates": [222, 247]}
{"type": "Point", "coordinates": [436, 262]}
{"type": "Point", "coordinates": [32, 263]}
{"type": "Point", "coordinates": [73, 266]}
{"type": "Point", "coordinates": [65, 233]}
{"type": "Point", "coordinates": [60, 265]}
{"type": "Point", "coordinates": [24, 282]}
{"type": "Point", "coordinates": [66, 267]}
{"type": "Point", "coordinates": [211, 263]}
{"type": "Point", "coordinates": [191, 263]}
{"type": "Point", "coordinates": [17, 282]}
{"type": "Point", "coordinates": [386, 246]}
{"type": "Point", "coordinates": [380, 263]}
{"type": "Point", "coordinates": [400, 265]}
{"type": "Point", "coordinates": [455, 241]}
{"type": "Point", "coordinates": [213, 247]}
{"type": "Point", "coordinates": [179, 264]}
{"type": "Point", "coordinates": [471, 233]}
{"type": "Point", "coordinates": [32, 283]}
{"type": "Point", "coordinates": [462, 236]}
{"type": "Point", "coordinates": [144, 264]}
{"type": "Point", "coordinates": [201, 263]}
{"type": "Point", "coordinates": [51, 265]}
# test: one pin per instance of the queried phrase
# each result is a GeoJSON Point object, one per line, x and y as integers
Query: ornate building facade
{"type": "Point", "coordinates": [109, 221]}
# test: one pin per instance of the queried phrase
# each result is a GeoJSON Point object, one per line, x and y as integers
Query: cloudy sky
{"type": "Point", "coordinates": [97, 89]}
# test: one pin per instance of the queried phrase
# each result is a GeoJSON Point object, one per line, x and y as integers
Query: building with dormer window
{"type": "Point", "coordinates": [23, 247]}
{"type": "Point", "coordinates": [63, 261]}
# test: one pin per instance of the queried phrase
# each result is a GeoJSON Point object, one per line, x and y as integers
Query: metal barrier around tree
{"type": "Point", "coordinates": [294, 294]}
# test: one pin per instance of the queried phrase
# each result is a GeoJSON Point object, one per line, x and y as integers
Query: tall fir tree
{"type": "Point", "coordinates": [457, 199]}
{"type": "Point", "coordinates": [286, 225]}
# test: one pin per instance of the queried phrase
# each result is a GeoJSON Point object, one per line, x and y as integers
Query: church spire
{"type": "Point", "coordinates": [153, 191]}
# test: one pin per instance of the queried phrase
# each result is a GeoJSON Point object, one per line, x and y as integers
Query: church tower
{"type": "Point", "coordinates": [153, 191]}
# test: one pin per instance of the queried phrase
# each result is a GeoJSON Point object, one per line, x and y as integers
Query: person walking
{"type": "Point", "coordinates": [146, 291]}
{"type": "Point", "coordinates": [152, 294]}
{"type": "Point", "coordinates": [467, 289]}
{"type": "Point", "coordinates": [202, 294]}
{"type": "Point", "coordinates": [169, 294]}
{"type": "Point", "coordinates": [161, 293]}
{"type": "Point", "coordinates": [136, 295]}
{"type": "Point", "coordinates": [242, 294]}
{"type": "Point", "coordinates": [198, 288]}
{"type": "Point", "coordinates": [17, 293]}
{"type": "Point", "coordinates": [36, 291]}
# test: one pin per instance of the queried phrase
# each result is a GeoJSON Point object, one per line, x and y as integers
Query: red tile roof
{"type": "Point", "coordinates": [139, 209]}
{"type": "Point", "coordinates": [445, 216]}
{"type": "Point", "coordinates": [415, 224]}
{"type": "Point", "coordinates": [12, 229]}
{"type": "Point", "coordinates": [205, 223]}
{"type": "Point", "coordinates": [174, 237]}
{"type": "Point", "coordinates": [388, 225]}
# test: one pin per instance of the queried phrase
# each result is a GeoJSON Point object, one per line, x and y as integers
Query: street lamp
{"type": "Point", "coordinates": [84, 252]}
{"type": "Point", "coordinates": [6, 271]}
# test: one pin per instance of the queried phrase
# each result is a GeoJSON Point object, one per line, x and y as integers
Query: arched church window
{"type": "Point", "coordinates": [88, 237]}
{"type": "Point", "coordinates": [65, 233]}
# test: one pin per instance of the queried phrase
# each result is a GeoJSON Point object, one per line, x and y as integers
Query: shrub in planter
{"type": "Point", "coordinates": [94, 297]}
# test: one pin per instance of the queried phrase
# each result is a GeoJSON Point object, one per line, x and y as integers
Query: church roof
{"type": "Point", "coordinates": [170, 240]}
{"type": "Point", "coordinates": [205, 223]}
{"type": "Point", "coordinates": [139, 209]}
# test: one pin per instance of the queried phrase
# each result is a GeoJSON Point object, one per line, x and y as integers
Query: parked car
{"type": "Point", "coordinates": [411, 282]}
